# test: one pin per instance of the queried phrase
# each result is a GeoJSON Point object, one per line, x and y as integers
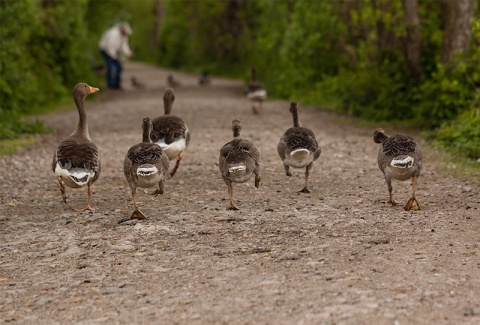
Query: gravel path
{"type": "Point", "coordinates": [339, 255]}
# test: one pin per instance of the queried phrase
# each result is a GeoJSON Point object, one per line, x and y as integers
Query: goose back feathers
{"type": "Point", "coordinates": [170, 132]}
{"type": "Point", "coordinates": [145, 166]}
{"type": "Point", "coordinates": [298, 147]}
{"type": "Point", "coordinates": [255, 92]}
{"type": "Point", "coordinates": [239, 160]}
{"type": "Point", "coordinates": [399, 157]}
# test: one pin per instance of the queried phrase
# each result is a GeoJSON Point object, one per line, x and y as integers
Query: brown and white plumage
{"type": "Point", "coordinates": [76, 162]}
{"type": "Point", "coordinates": [298, 147]}
{"type": "Point", "coordinates": [170, 132]}
{"type": "Point", "coordinates": [255, 92]}
{"type": "Point", "coordinates": [145, 166]}
{"type": "Point", "coordinates": [400, 158]}
{"type": "Point", "coordinates": [239, 160]}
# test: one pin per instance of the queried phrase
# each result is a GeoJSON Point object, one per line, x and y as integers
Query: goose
{"type": "Point", "coordinates": [204, 79]}
{"type": "Point", "coordinates": [298, 147]}
{"type": "Point", "coordinates": [170, 132]}
{"type": "Point", "coordinates": [400, 158]}
{"type": "Point", "coordinates": [171, 82]}
{"type": "Point", "coordinates": [76, 162]}
{"type": "Point", "coordinates": [239, 160]}
{"type": "Point", "coordinates": [256, 92]}
{"type": "Point", "coordinates": [145, 166]}
{"type": "Point", "coordinates": [137, 84]}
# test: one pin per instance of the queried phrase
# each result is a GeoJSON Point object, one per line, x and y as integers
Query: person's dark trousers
{"type": "Point", "coordinates": [114, 70]}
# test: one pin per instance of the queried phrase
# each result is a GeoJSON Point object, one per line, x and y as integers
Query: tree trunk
{"type": "Point", "coordinates": [458, 28]}
{"type": "Point", "coordinates": [157, 22]}
{"type": "Point", "coordinates": [413, 40]}
{"type": "Point", "coordinates": [386, 38]}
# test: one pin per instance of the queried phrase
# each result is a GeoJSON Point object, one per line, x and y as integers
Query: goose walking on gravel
{"type": "Point", "coordinates": [170, 132]}
{"type": "Point", "coordinates": [400, 158]}
{"type": "Point", "coordinates": [76, 162]}
{"type": "Point", "coordinates": [145, 166]}
{"type": "Point", "coordinates": [255, 92]}
{"type": "Point", "coordinates": [239, 160]}
{"type": "Point", "coordinates": [298, 147]}
{"type": "Point", "coordinates": [172, 82]}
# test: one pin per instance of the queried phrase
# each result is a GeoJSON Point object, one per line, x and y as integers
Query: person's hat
{"type": "Point", "coordinates": [126, 28]}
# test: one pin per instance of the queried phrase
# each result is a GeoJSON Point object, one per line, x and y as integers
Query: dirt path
{"type": "Point", "coordinates": [339, 255]}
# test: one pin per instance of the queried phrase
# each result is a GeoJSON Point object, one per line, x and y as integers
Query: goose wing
{"type": "Point", "coordinates": [398, 145]}
{"type": "Point", "coordinates": [299, 137]}
{"type": "Point", "coordinates": [75, 152]}
{"type": "Point", "coordinates": [170, 127]}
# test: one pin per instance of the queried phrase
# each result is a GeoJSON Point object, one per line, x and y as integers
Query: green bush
{"type": "Point", "coordinates": [42, 56]}
{"type": "Point", "coordinates": [462, 135]}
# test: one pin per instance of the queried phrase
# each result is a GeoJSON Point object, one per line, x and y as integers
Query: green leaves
{"type": "Point", "coordinates": [42, 56]}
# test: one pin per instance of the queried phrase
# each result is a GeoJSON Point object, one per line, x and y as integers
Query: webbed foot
{"type": "Point", "coordinates": [232, 207]}
{"type": "Point", "coordinates": [412, 204]}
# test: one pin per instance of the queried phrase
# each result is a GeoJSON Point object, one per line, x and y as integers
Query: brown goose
{"type": "Point", "coordinates": [171, 82]}
{"type": "Point", "coordinates": [400, 158]}
{"type": "Point", "coordinates": [239, 160]}
{"type": "Point", "coordinates": [145, 165]}
{"type": "Point", "coordinates": [170, 132]}
{"type": "Point", "coordinates": [76, 161]}
{"type": "Point", "coordinates": [256, 92]}
{"type": "Point", "coordinates": [298, 147]}
{"type": "Point", "coordinates": [204, 79]}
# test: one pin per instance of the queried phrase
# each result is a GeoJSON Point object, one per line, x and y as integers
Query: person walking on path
{"type": "Point", "coordinates": [114, 41]}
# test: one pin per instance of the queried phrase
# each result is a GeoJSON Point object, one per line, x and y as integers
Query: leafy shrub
{"type": "Point", "coordinates": [462, 135]}
{"type": "Point", "coordinates": [41, 58]}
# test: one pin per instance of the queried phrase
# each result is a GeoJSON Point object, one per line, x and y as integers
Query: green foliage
{"type": "Point", "coordinates": [41, 58]}
{"type": "Point", "coordinates": [12, 126]}
{"type": "Point", "coordinates": [10, 147]}
{"type": "Point", "coordinates": [449, 92]}
{"type": "Point", "coordinates": [462, 135]}
{"type": "Point", "coordinates": [350, 55]}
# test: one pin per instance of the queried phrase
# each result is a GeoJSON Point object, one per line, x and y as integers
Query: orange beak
{"type": "Point", "coordinates": [93, 90]}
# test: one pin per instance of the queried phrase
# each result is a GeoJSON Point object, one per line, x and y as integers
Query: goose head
{"type": "Point", "coordinates": [379, 136]}
{"type": "Point", "coordinates": [236, 128]}
{"type": "Point", "coordinates": [147, 129]}
{"type": "Point", "coordinates": [168, 99]}
{"type": "Point", "coordinates": [82, 90]}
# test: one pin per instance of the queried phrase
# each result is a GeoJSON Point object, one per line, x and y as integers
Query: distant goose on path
{"type": "Point", "coordinates": [298, 147]}
{"type": "Point", "coordinates": [239, 160]}
{"type": "Point", "coordinates": [145, 166]}
{"type": "Point", "coordinates": [170, 132]}
{"type": "Point", "coordinates": [171, 82]}
{"type": "Point", "coordinates": [255, 92]}
{"type": "Point", "coordinates": [76, 161]}
{"type": "Point", "coordinates": [137, 84]}
{"type": "Point", "coordinates": [204, 79]}
{"type": "Point", "coordinates": [400, 158]}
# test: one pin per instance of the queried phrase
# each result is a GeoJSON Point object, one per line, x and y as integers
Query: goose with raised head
{"type": "Point", "coordinates": [400, 158]}
{"type": "Point", "coordinates": [172, 82]}
{"type": "Point", "coordinates": [256, 92]}
{"type": "Point", "coordinates": [298, 147]}
{"type": "Point", "coordinates": [145, 166]}
{"type": "Point", "coordinates": [76, 162]}
{"type": "Point", "coordinates": [239, 160]}
{"type": "Point", "coordinates": [170, 132]}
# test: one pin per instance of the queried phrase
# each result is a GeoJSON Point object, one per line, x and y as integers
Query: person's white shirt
{"type": "Point", "coordinates": [113, 41]}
